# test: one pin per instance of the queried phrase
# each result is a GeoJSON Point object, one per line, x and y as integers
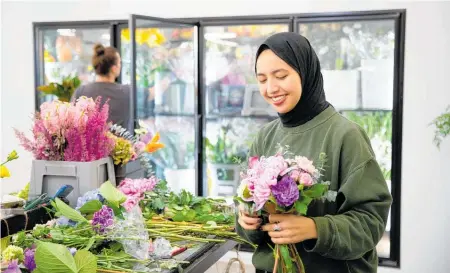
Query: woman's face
{"type": "Point", "coordinates": [115, 69]}
{"type": "Point", "coordinates": [279, 83]}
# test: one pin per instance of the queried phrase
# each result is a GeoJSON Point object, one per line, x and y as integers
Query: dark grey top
{"type": "Point", "coordinates": [119, 100]}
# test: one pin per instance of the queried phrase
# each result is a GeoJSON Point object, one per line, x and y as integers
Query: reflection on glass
{"type": "Point", "coordinates": [69, 52]}
{"type": "Point", "coordinates": [357, 60]}
{"type": "Point", "coordinates": [165, 78]}
{"type": "Point", "coordinates": [234, 109]}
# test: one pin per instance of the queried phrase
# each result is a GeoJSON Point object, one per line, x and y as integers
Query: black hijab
{"type": "Point", "coordinates": [296, 51]}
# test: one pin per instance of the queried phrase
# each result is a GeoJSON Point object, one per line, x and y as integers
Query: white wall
{"type": "Point", "coordinates": [425, 237]}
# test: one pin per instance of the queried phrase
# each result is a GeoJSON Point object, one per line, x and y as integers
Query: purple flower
{"type": "Point", "coordinates": [285, 191]}
{"type": "Point", "coordinates": [103, 219]}
{"type": "Point", "coordinates": [13, 267]}
{"type": "Point", "coordinates": [29, 261]}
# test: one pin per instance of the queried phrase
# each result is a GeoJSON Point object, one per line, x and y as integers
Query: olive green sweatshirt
{"type": "Point", "coordinates": [349, 228]}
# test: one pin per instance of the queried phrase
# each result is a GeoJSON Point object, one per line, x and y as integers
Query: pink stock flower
{"type": "Point", "coordinates": [306, 179]}
{"type": "Point", "coordinates": [135, 189]}
{"type": "Point", "coordinates": [130, 203]}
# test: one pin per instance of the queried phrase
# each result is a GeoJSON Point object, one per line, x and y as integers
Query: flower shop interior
{"type": "Point", "coordinates": [194, 114]}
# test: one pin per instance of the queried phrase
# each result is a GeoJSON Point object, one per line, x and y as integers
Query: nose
{"type": "Point", "coordinates": [272, 87]}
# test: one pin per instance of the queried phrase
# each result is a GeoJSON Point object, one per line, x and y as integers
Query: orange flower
{"type": "Point", "coordinates": [154, 145]}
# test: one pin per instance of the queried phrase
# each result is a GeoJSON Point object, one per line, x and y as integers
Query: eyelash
{"type": "Point", "coordinates": [280, 78]}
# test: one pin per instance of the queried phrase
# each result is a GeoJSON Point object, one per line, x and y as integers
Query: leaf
{"type": "Point", "coordinates": [112, 194]}
{"type": "Point", "coordinates": [90, 243]}
{"type": "Point", "coordinates": [116, 208]}
{"type": "Point", "coordinates": [91, 207]}
{"type": "Point", "coordinates": [316, 191]}
{"type": "Point", "coordinates": [56, 235]}
{"type": "Point", "coordinates": [54, 258]}
{"type": "Point", "coordinates": [69, 212]}
{"type": "Point", "coordinates": [301, 208]}
{"type": "Point", "coordinates": [86, 261]}
{"type": "Point", "coordinates": [284, 251]}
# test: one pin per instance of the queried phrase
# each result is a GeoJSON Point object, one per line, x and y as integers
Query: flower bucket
{"type": "Point", "coordinates": [49, 176]}
{"type": "Point", "coordinates": [132, 170]}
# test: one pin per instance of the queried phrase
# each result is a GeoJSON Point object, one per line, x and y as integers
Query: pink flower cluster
{"type": "Point", "coordinates": [70, 131]}
{"type": "Point", "coordinates": [134, 189]}
{"type": "Point", "coordinates": [264, 173]}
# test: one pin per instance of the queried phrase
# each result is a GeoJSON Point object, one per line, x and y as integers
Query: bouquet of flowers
{"type": "Point", "coordinates": [283, 183]}
{"type": "Point", "coordinates": [129, 147]}
{"type": "Point", "coordinates": [64, 131]}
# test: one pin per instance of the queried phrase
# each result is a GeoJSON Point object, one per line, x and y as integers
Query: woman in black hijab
{"type": "Point", "coordinates": [338, 236]}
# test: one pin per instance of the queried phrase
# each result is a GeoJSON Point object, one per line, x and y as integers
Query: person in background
{"type": "Point", "coordinates": [107, 64]}
{"type": "Point", "coordinates": [340, 236]}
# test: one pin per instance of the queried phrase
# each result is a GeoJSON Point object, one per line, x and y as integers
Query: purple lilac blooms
{"type": "Point", "coordinates": [285, 191]}
{"type": "Point", "coordinates": [13, 267]}
{"type": "Point", "coordinates": [103, 219]}
{"type": "Point", "coordinates": [29, 261]}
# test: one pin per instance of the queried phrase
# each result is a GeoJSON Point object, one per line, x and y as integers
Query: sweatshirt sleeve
{"type": "Point", "coordinates": [363, 202]}
{"type": "Point", "coordinates": [253, 236]}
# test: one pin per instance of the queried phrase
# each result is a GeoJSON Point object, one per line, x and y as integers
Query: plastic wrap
{"type": "Point", "coordinates": [132, 229]}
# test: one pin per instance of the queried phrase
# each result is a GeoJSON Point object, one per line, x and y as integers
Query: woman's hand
{"type": "Point", "coordinates": [247, 221]}
{"type": "Point", "coordinates": [290, 229]}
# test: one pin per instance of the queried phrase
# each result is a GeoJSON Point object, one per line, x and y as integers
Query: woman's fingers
{"type": "Point", "coordinates": [248, 222]}
{"type": "Point", "coordinates": [248, 226]}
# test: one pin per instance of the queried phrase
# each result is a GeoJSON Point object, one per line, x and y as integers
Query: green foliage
{"type": "Point", "coordinates": [185, 207]}
{"type": "Point", "coordinates": [64, 90]}
{"type": "Point", "coordinates": [57, 258]}
{"type": "Point", "coordinates": [112, 194]}
{"type": "Point", "coordinates": [67, 211]}
{"type": "Point", "coordinates": [223, 152]}
{"type": "Point", "coordinates": [91, 207]}
{"type": "Point", "coordinates": [374, 123]}
{"type": "Point", "coordinates": [442, 127]}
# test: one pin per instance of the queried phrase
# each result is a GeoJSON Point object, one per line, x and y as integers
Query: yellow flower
{"type": "Point", "coordinates": [12, 155]}
{"type": "Point", "coordinates": [4, 172]}
{"type": "Point", "coordinates": [154, 145]}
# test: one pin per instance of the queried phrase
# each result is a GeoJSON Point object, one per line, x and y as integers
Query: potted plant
{"type": "Point", "coordinates": [63, 91]}
{"type": "Point", "coordinates": [442, 127]}
{"type": "Point", "coordinates": [223, 160]}
{"type": "Point", "coordinates": [129, 152]}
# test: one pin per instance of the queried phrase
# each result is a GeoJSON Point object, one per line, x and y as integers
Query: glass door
{"type": "Point", "coordinates": [63, 51]}
{"type": "Point", "coordinates": [234, 109]}
{"type": "Point", "coordinates": [357, 61]}
{"type": "Point", "coordinates": [163, 76]}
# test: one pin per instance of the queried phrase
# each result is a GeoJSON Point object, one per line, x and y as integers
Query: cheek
{"type": "Point", "coordinates": [262, 90]}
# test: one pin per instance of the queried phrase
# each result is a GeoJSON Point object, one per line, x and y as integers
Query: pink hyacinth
{"type": "Point", "coordinates": [135, 189]}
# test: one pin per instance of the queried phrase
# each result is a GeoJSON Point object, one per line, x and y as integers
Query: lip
{"type": "Point", "coordinates": [278, 102]}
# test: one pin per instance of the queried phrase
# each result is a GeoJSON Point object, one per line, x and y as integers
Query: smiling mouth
{"type": "Point", "coordinates": [278, 98]}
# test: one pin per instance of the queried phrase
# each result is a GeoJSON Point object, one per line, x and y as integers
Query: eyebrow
{"type": "Point", "coordinates": [273, 72]}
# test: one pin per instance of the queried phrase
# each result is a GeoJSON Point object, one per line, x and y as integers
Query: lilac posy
{"type": "Point", "coordinates": [29, 261]}
{"type": "Point", "coordinates": [103, 219]}
{"type": "Point", "coordinates": [285, 191]}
